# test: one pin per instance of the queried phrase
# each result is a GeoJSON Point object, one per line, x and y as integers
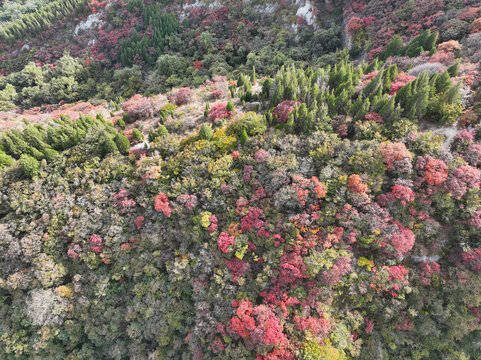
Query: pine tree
{"type": "Point", "coordinates": [253, 74]}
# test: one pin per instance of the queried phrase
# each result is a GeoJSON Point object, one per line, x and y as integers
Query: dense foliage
{"type": "Point", "coordinates": [285, 200]}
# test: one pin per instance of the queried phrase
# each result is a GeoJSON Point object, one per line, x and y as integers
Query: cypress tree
{"type": "Point", "coordinates": [266, 88]}
{"type": "Point", "coordinates": [240, 80]}
{"type": "Point", "coordinates": [243, 137]}
{"type": "Point", "coordinates": [443, 82]}
{"type": "Point", "coordinates": [290, 120]}
{"type": "Point", "coordinates": [413, 50]}
{"type": "Point", "coordinates": [374, 65]}
{"type": "Point", "coordinates": [389, 112]}
{"type": "Point", "coordinates": [374, 85]}
{"type": "Point", "coordinates": [386, 81]}
{"type": "Point", "coordinates": [206, 111]}
{"type": "Point", "coordinates": [205, 132]}
{"type": "Point", "coordinates": [429, 43]}
{"type": "Point", "coordinates": [342, 103]}
{"type": "Point", "coordinates": [122, 143]}
{"type": "Point", "coordinates": [394, 48]}
{"type": "Point", "coordinates": [5, 160]}
{"type": "Point", "coordinates": [229, 106]}
{"type": "Point", "coordinates": [404, 94]}
{"type": "Point", "coordinates": [453, 69]}
{"type": "Point", "coordinates": [30, 166]}
{"type": "Point", "coordinates": [137, 135]}
{"type": "Point", "coordinates": [417, 104]}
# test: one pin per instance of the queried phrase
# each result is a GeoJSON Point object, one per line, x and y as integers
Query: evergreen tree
{"type": "Point", "coordinates": [240, 80]}
{"type": "Point", "coordinates": [205, 132]}
{"type": "Point", "coordinates": [122, 143]}
{"type": "Point", "coordinates": [389, 112]}
{"type": "Point", "coordinates": [404, 94]}
{"type": "Point", "coordinates": [394, 48]}
{"type": "Point", "coordinates": [443, 82]}
{"type": "Point", "coordinates": [206, 111]}
{"type": "Point", "coordinates": [5, 160]}
{"type": "Point", "coordinates": [372, 89]}
{"type": "Point", "coordinates": [453, 69]}
{"type": "Point", "coordinates": [417, 104]}
{"type": "Point", "coordinates": [243, 137]}
{"type": "Point", "coordinates": [137, 135]}
{"type": "Point", "coordinates": [373, 65]}
{"type": "Point", "coordinates": [29, 165]}
{"type": "Point", "coordinates": [121, 123]}
{"type": "Point", "coordinates": [429, 43]}
{"type": "Point", "coordinates": [266, 88]}
{"type": "Point", "coordinates": [229, 106]}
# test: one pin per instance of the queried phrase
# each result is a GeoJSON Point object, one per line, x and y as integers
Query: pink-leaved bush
{"type": "Point", "coordinates": [162, 204]}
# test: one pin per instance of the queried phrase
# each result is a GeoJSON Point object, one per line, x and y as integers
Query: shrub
{"type": "Point", "coordinates": [475, 26]}
{"type": "Point", "coordinates": [123, 144]}
{"type": "Point", "coordinates": [138, 107]}
{"type": "Point", "coordinates": [182, 97]}
{"type": "Point", "coordinates": [205, 132]}
{"type": "Point", "coordinates": [160, 132]}
{"type": "Point", "coordinates": [121, 123]}
{"type": "Point", "coordinates": [30, 166]}
{"type": "Point", "coordinates": [137, 135]}
{"type": "Point", "coordinates": [430, 68]}
{"type": "Point", "coordinates": [5, 160]}
{"type": "Point", "coordinates": [230, 106]}
{"type": "Point", "coordinates": [108, 146]}
{"type": "Point", "coordinates": [219, 111]}
{"type": "Point", "coordinates": [216, 94]}
{"type": "Point", "coordinates": [281, 112]}
{"type": "Point", "coordinates": [250, 122]}
{"type": "Point", "coordinates": [442, 111]}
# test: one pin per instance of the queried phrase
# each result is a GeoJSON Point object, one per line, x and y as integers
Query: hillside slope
{"type": "Point", "coordinates": [243, 189]}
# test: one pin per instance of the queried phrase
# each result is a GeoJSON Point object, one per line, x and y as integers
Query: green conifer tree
{"type": "Point", "coordinates": [243, 137]}
{"type": "Point", "coordinates": [453, 69]}
{"type": "Point", "coordinates": [122, 143]}
{"type": "Point", "coordinates": [443, 82]}
{"type": "Point", "coordinates": [205, 132]}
